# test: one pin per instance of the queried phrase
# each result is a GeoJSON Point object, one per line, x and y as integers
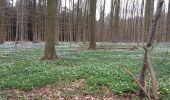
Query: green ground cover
{"type": "Point", "coordinates": [21, 68]}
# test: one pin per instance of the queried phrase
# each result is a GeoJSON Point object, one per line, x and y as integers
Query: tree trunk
{"type": "Point", "coordinates": [57, 25]}
{"type": "Point", "coordinates": [77, 22]}
{"type": "Point", "coordinates": [111, 18]}
{"type": "Point", "coordinates": [148, 16]}
{"type": "Point", "coordinates": [168, 25]}
{"type": "Point", "coordinates": [22, 21]}
{"type": "Point", "coordinates": [85, 21]}
{"type": "Point", "coordinates": [125, 22]}
{"type": "Point", "coordinates": [51, 31]}
{"type": "Point", "coordinates": [116, 20]}
{"type": "Point", "coordinates": [2, 22]}
{"type": "Point", "coordinates": [147, 63]}
{"type": "Point", "coordinates": [102, 13]}
{"type": "Point", "coordinates": [141, 22]}
{"type": "Point", "coordinates": [92, 18]}
{"type": "Point", "coordinates": [34, 26]}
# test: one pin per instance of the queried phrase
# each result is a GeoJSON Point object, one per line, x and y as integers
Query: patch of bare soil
{"type": "Point", "coordinates": [47, 93]}
{"type": "Point", "coordinates": [72, 86]}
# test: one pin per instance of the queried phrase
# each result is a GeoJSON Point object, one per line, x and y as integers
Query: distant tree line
{"type": "Point", "coordinates": [130, 21]}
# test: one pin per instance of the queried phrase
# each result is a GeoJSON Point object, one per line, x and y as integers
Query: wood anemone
{"type": "Point", "coordinates": [147, 62]}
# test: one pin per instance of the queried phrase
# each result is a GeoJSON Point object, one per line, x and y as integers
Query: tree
{"type": "Point", "coordinates": [147, 62]}
{"type": "Point", "coordinates": [92, 23]}
{"type": "Point", "coordinates": [1, 22]}
{"type": "Point", "coordinates": [116, 20]}
{"type": "Point", "coordinates": [168, 24]}
{"type": "Point", "coordinates": [111, 18]}
{"type": "Point", "coordinates": [57, 28]}
{"type": "Point", "coordinates": [102, 17]}
{"type": "Point", "coordinates": [85, 22]}
{"type": "Point", "coordinates": [77, 22]}
{"type": "Point", "coordinates": [149, 8]}
{"type": "Point", "coordinates": [51, 30]}
{"type": "Point", "coordinates": [22, 20]}
{"type": "Point", "coordinates": [34, 26]}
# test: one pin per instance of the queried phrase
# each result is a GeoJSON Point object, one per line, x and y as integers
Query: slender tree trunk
{"type": "Point", "coordinates": [51, 31]}
{"type": "Point", "coordinates": [147, 63]}
{"type": "Point", "coordinates": [141, 23]}
{"type": "Point", "coordinates": [70, 27]}
{"type": "Point", "coordinates": [92, 16]}
{"type": "Point", "coordinates": [125, 22]}
{"type": "Point", "coordinates": [102, 20]}
{"type": "Point", "coordinates": [22, 21]}
{"type": "Point", "coordinates": [73, 23]}
{"type": "Point", "coordinates": [25, 20]}
{"type": "Point", "coordinates": [77, 22]}
{"type": "Point", "coordinates": [149, 8]}
{"type": "Point", "coordinates": [17, 26]}
{"type": "Point", "coordinates": [85, 21]}
{"type": "Point", "coordinates": [34, 28]}
{"type": "Point", "coordinates": [111, 18]}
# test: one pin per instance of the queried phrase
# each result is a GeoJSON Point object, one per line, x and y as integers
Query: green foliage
{"type": "Point", "coordinates": [22, 69]}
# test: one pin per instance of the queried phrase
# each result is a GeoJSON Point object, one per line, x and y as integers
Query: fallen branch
{"type": "Point", "coordinates": [138, 82]}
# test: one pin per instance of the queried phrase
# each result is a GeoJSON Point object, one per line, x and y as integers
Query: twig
{"type": "Point", "coordinates": [137, 81]}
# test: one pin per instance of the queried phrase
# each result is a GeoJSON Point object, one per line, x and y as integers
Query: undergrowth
{"type": "Point", "coordinates": [21, 69]}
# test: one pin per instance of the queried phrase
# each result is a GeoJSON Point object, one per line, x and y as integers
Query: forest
{"type": "Point", "coordinates": [84, 49]}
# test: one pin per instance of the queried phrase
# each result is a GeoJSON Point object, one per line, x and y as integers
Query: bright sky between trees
{"type": "Point", "coordinates": [108, 5]}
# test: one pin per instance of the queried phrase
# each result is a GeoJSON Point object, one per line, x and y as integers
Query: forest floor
{"type": "Point", "coordinates": [78, 73]}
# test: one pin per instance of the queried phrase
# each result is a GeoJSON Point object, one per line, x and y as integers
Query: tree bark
{"type": "Point", "coordinates": [147, 63]}
{"type": "Point", "coordinates": [2, 22]}
{"type": "Point", "coordinates": [77, 22]}
{"type": "Point", "coordinates": [111, 18]}
{"type": "Point", "coordinates": [85, 21]}
{"type": "Point", "coordinates": [57, 25]}
{"type": "Point", "coordinates": [116, 20]}
{"type": "Point", "coordinates": [168, 25]}
{"type": "Point", "coordinates": [102, 16]}
{"type": "Point", "coordinates": [149, 8]}
{"type": "Point", "coordinates": [34, 28]}
{"type": "Point", "coordinates": [51, 31]}
{"type": "Point", "coordinates": [22, 20]}
{"type": "Point", "coordinates": [92, 16]}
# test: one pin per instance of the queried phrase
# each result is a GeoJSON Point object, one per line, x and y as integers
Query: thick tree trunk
{"type": "Point", "coordinates": [116, 20]}
{"type": "Point", "coordinates": [168, 25]}
{"type": "Point", "coordinates": [1, 22]}
{"type": "Point", "coordinates": [51, 31]}
{"type": "Point", "coordinates": [92, 16]}
{"type": "Point", "coordinates": [57, 25]}
{"type": "Point", "coordinates": [147, 63]}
